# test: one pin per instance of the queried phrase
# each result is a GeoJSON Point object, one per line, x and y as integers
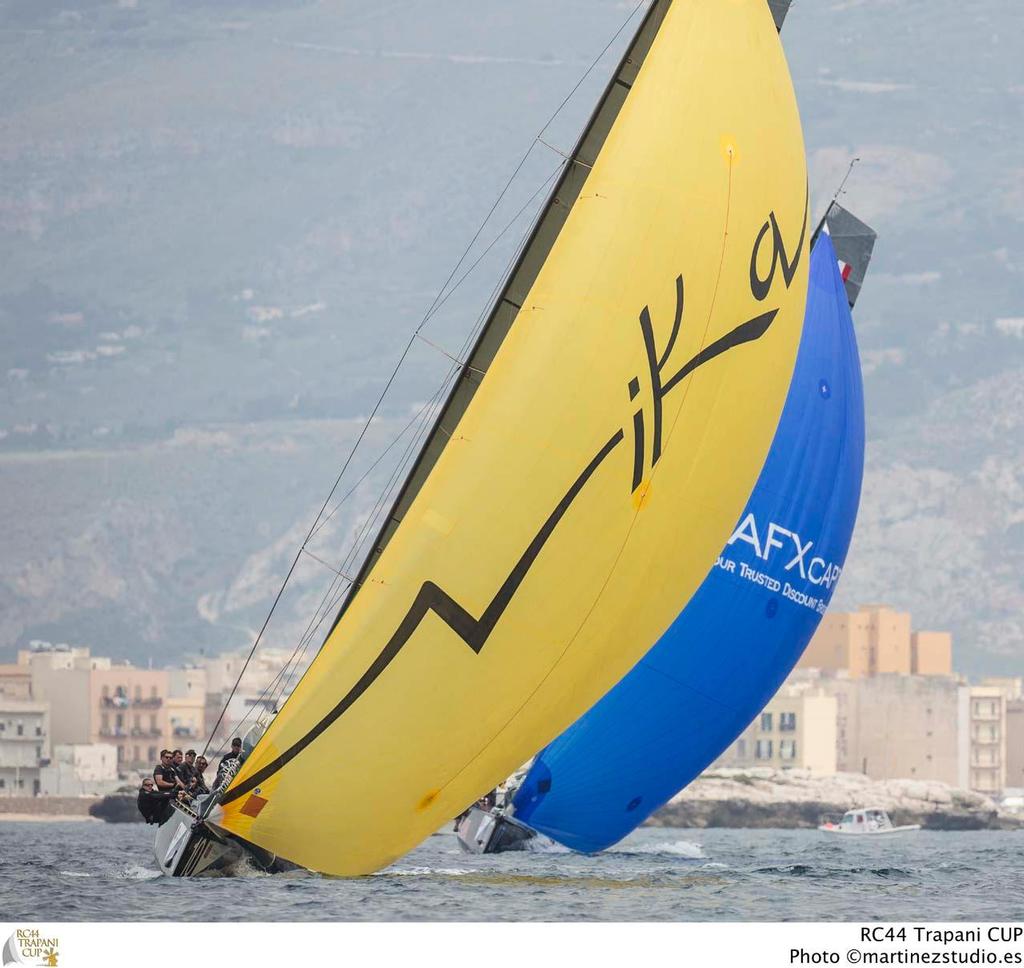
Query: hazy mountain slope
{"type": "Point", "coordinates": [220, 221]}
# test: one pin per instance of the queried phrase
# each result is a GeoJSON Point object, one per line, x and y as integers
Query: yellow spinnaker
{"type": "Point", "coordinates": [593, 478]}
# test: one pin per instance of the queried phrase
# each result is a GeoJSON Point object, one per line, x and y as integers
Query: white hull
{"type": "Point", "coordinates": [891, 831]}
{"type": "Point", "coordinates": [188, 846]}
{"type": "Point", "coordinates": [489, 832]}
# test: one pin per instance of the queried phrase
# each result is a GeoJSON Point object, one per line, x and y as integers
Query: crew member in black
{"type": "Point", "coordinates": [235, 754]}
{"type": "Point", "coordinates": [154, 806]}
{"type": "Point", "coordinates": [166, 776]}
{"type": "Point", "coordinates": [199, 786]}
{"type": "Point", "coordinates": [187, 769]}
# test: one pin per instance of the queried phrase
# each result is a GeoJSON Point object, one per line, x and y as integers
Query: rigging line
{"type": "Point", "coordinates": [529, 150]}
{"type": "Point", "coordinates": [316, 621]}
{"type": "Point", "coordinates": [327, 565]}
{"type": "Point", "coordinates": [515, 218]}
{"type": "Point", "coordinates": [409, 344]}
{"type": "Point", "coordinates": [298, 554]}
{"type": "Point", "coordinates": [842, 184]}
{"type": "Point", "coordinates": [287, 673]}
{"type": "Point", "coordinates": [418, 335]}
{"type": "Point", "coordinates": [419, 413]}
{"type": "Point", "coordinates": [558, 151]}
{"type": "Point", "coordinates": [440, 349]}
{"type": "Point", "coordinates": [839, 191]}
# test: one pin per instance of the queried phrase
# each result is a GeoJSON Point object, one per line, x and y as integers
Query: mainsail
{"type": "Point", "coordinates": [575, 497]}
{"type": "Point", "coordinates": [753, 616]}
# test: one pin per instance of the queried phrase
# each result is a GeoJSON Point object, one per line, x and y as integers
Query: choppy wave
{"type": "Point", "coordinates": [673, 848]}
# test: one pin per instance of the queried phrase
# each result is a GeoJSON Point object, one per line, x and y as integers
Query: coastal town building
{"type": "Point", "coordinates": [986, 730]}
{"type": "Point", "coordinates": [875, 640]}
{"type": "Point", "coordinates": [900, 726]}
{"type": "Point", "coordinates": [1015, 743]}
{"type": "Point", "coordinates": [61, 675]}
{"type": "Point", "coordinates": [186, 705]}
{"type": "Point", "coordinates": [96, 701]}
{"type": "Point", "coordinates": [79, 770]}
{"type": "Point", "coordinates": [797, 729]}
{"type": "Point", "coordinates": [24, 745]}
{"type": "Point", "coordinates": [15, 681]}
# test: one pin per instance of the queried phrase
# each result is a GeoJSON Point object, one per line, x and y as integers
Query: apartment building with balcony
{"type": "Point", "coordinates": [797, 729]}
{"type": "Point", "coordinates": [95, 701]}
{"type": "Point", "coordinates": [24, 745]}
{"type": "Point", "coordinates": [129, 710]}
{"type": "Point", "coordinates": [986, 729]}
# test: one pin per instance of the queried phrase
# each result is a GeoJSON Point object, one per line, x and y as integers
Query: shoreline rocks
{"type": "Point", "coordinates": [763, 797]}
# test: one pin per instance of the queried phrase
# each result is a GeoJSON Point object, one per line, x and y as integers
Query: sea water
{"type": "Point", "coordinates": [93, 871]}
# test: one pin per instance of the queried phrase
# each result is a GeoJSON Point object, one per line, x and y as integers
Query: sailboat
{"type": "Point", "coordinates": [751, 619]}
{"type": "Point", "coordinates": [588, 465]}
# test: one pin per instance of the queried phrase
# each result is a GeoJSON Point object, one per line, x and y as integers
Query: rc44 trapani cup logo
{"type": "Point", "coordinates": [29, 946]}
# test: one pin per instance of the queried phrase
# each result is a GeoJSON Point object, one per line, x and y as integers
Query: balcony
{"type": "Point", "coordinates": [144, 732]}
{"type": "Point", "coordinates": [118, 732]}
{"type": "Point", "coordinates": [154, 702]}
{"type": "Point", "coordinates": [12, 735]}
{"type": "Point", "coordinates": [114, 702]}
{"type": "Point", "coordinates": [985, 739]}
{"type": "Point", "coordinates": [185, 732]}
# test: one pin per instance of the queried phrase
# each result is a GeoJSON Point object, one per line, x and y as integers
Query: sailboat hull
{"type": "Point", "coordinates": [483, 832]}
{"type": "Point", "coordinates": [186, 846]}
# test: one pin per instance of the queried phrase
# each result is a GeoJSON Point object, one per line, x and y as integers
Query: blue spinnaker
{"type": "Point", "coordinates": [740, 635]}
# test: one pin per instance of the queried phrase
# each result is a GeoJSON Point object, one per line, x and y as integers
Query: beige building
{"type": "Point", "coordinates": [987, 738]}
{"type": "Point", "coordinates": [900, 727]}
{"type": "Point", "coordinates": [128, 708]}
{"type": "Point", "coordinates": [186, 706]}
{"type": "Point", "coordinates": [24, 743]}
{"type": "Point", "coordinates": [1015, 743]}
{"type": "Point", "coordinates": [15, 682]}
{"type": "Point", "coordinates": [876, 640]}
{"type": "Point", "coordinates": [137, 711]}
{"type": "Point", "coordinates": [931, 654]}
{"type": "Point", "coordinates": [796, 729]}
{"type": "Point", "coordinates": [61, 676]}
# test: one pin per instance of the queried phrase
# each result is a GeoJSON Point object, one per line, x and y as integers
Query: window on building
{"type": "Point", "coordinates": [21, 729]}
{"type": "Point", "coordinates": [766, 723]}
{"type": "Point", "coordinates": [787, 749]}
{"type": "Point", "coordinates": [39, 752]}
{"type": "Point", "coordinates": [763, 750]}
{"type": "Point", "coordinates": [152, 754]}
{"type": "Point", "coordinates": [138, 692]}
{"type": "Point", "coordinates": [152, 692]}
{"type": "Point", "coordinates": [741, 747]}
{"type": "Point", "coordinates": [787, 722]}
{"type": "Point", "coordinates": [39, 731]}
{"type": "Point", "coordinates": [104, 723]}
{"type": "Point", "coordinates": [3, 783]}
{"type": "Point", "coordinates": [105, 692]}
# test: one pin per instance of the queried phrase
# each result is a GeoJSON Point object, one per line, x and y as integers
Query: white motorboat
{"type": "Point", "coordinates": [867, 821]}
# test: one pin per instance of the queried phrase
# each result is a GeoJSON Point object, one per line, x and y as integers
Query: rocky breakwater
{"type": "Point", "coordinates": [763, 797]}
